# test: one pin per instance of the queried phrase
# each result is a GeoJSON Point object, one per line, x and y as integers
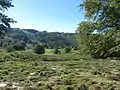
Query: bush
{"type": "Point", "coordinates": [39, 49]}
{"type": "Point", "coordinates": [56, 51]}
{"type": "Point", "coordinates": [83, 87]}
{"type": "Point", "coordinates": [67, 49]}
{"type": "Point", "coordinates": [75, 47]}
{"type": "Point", "coordinates": [9, 49]}
{"type": "Point", "coordinates": [19, 47]}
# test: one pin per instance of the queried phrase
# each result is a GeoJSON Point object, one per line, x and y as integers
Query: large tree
{"type": "Point", "coordinates": [105, 13]}
{"type": "Point", "coordinates": [102, 15]}
{"type": "Point", "coordinates": [4, 19]}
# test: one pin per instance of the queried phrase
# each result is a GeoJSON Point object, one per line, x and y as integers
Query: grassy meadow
{"type": "Point", "coordinates": [24, 70]}
{"type": "Point", "coordinates": [69, 51]}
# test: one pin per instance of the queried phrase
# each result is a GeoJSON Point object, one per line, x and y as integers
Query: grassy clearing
{"type": "Point", "coordinates": [27, 71]}
{"type": "Point", "coordinates": [49, 51]}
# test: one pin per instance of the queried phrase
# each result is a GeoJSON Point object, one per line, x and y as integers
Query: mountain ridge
{"type": "Point", "coordinates": [31, 37]}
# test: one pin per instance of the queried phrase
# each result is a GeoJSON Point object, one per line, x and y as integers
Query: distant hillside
{"type": "Point", "coordinates": [31, 31]}
{"type": "Point", "coordinates": [30, 37]}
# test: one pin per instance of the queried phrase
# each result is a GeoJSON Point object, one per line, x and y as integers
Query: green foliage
{"type": "Point", "coordinates": [9, 48]}
{"type": "Point", "coordinates": [100, 35]}
{"type": "Point", "coordinates": [84, 31]}
{"type": "Point", "coordinates": [19, 46]}
{"type": "Point", "coordinates": [32, 37]}
{"type": "Point", "coordinates": [104, 12]}
{"type": "Point", "coordinates": [39, 49]}
{"type": "Point", "coordinates": [98, 44]}
{"type": "Point", "coordinates": [67, 49]}
{"type": "Point", "coordinates": [83, 87]}
{"type": "Point", "coordinates": [5, 20]}
{"type": "Point", "coordinates": [75, 47]}
{"type": "Point", "coordinates": [114, 37]}
{"type": "Point", "coordinates": [26, 70]}
{"type": "Point", "coordinates": [57, 51]}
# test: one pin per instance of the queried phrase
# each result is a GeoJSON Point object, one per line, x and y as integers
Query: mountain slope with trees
{"type": "Point", "coordinates": [30, 37]}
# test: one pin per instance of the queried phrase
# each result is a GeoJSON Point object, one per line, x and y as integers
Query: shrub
{"type": "Point", "coordinates": [56, 51]}
{"type": "Point", "coordinates": [75, 47]}
{"type": "Point", "coordinates": [9, 48]}
{"type": "Point", "coordinates": [19, 46]}
{"type": "Point", "coordinates": [82, 87]}
{"type": "Point", "coordinates": [69, 88]}
{"type": "Point", "coordinates": [67, 49]}
{"type": "Point", "coordinates": [39, 49]}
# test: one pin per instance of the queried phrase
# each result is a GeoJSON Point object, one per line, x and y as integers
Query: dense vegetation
{"type": "Point", "coordinates": [4, 19]}
{"type": "Point", "coordinates": [100, 35]}
{"type": "Point", "coordinates": [30, 37]}
{"type": "Point", "coordinates": [25, 70]}
{"type": "Point", "coordinates": [33, 60]}
{"type": "Point", "coordinates": [39, 49]}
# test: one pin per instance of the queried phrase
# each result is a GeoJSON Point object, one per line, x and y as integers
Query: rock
{"type": "Point", "coordinates": [3, 84]}
{"type": "Point", "coordinates": [32, 73]}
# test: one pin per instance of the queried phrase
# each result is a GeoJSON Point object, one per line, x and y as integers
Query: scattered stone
{"type": "Point", "coordinates": [32, 73]}
{"type": "Point", "coordinates": [3, 84]}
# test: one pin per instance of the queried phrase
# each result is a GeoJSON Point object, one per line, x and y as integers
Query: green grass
{"type": "Point", "coordinates": [49, 51]}
{"type": "Point", "coordinates": [57, 72]}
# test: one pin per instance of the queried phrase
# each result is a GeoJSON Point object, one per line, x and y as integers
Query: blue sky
{"type": "Point", "coordinates": [49, 15]}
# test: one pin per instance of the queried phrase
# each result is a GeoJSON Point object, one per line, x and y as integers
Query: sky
{"type": "Point", "coordinates": [46, 15]}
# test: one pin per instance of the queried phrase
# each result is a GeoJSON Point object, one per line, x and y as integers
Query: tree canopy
{"type": "Point", "coordinates": [106, 13]}
{"type": "Point", "coordinates": [100, 34]}
{"type": "Point", "coordinates": [4, 19]}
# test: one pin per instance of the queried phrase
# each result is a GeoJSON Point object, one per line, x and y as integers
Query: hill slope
{"type": "Point", "coordinates": [30, 37]}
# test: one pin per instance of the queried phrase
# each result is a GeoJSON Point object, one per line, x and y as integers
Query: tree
{"type": "Point", "coordinates": [9, 48]}
{"type": "Point", "coordinates": [5, 20]}
{"type": "Point", "coordinates": [98, 45]}
{"type": "Point", "coordinates": [39, 49]}
{"type": "Point", "coordinates": [67, 49]}
{"type": "Point", "coordinates": [106, 13]}
{"type": "Point", "coordinates": [84, 31]}
{"type": "Point", "coordinates": [19, 46]}
{"type": "Point", "coordinates": [100, 35]}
